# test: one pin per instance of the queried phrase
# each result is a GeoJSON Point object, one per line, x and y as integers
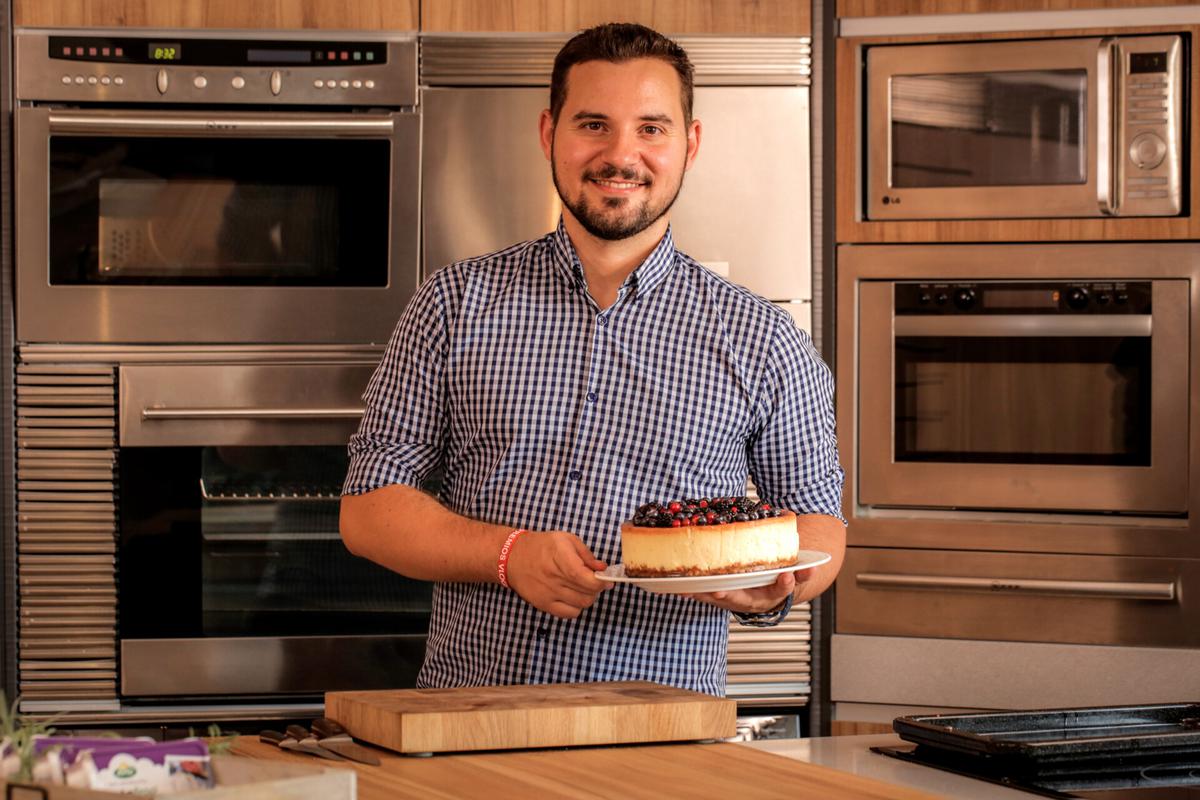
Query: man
{"type": "Point", "coordinates": [564, 382]}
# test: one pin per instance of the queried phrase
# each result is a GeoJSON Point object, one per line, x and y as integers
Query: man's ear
{"type": "Point", "coordinates": [546, 131]}
{"type": "Point", "coordinates": [693, 143]}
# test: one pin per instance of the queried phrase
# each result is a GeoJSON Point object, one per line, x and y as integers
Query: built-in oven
{"type": "Point", "coordinates": [1018, 424]}
{"type": "Point", "coordinates": [214, 188]}
{"type": "Point", "coordinates": [1049, 394]}
{"type": "Point", "coordinates": [1054, 127]}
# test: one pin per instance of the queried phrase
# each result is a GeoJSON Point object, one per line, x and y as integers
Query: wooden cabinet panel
{"type": "Point", "coordinates": [367, 15]}
{"type": "Point", "coordinates": [852, 229]}
{"type": "Point", "coordinates": [775, 17]}
{"type": "Point", "coordinates": [894, 8]}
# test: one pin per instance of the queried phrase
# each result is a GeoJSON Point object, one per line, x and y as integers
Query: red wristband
{"type": "Point", "coordinates": [505, 551]}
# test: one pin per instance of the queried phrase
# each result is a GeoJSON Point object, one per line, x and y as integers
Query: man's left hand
{"type": "Point", "coordinates": [759, 600]}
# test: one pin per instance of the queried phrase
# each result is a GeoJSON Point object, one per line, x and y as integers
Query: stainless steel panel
{"type": "Point", "coordinates": [40, 77]}
{"type": "Point", "coordinates": [295, 664]}
{"type": "Point", "coordinates": [1019, 597]}
{"type": "Point", "coordinates": [210, 314]}
{"type": "Point", "coordinates": [746, 216]}
{"type": "Point", "coordinates": [1163, 487]}
{"type": "Point", "coordinates": [1006, 674]}
{"type": "Point", "coordinates": [239, 404]}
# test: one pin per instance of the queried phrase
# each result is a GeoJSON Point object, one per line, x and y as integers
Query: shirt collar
{"type": "Point", "coordinates": [647, 275]}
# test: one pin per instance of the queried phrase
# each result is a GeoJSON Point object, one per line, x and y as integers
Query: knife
{"type": "Point", "coordinates": [332, 736]}
{"type": "Point", "coordinates": [298, 740]}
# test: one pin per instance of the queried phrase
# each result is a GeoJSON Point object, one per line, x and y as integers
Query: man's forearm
{"type": "Point", "coordinates": [827, 534]}
{"type": "Point", "coordinates": [410, 532]}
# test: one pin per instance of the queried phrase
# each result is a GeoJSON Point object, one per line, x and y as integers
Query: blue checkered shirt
{"type": "Point", "coordinates": [546, 413]}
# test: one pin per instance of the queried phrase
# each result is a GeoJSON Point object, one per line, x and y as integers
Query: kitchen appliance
{"type": "Point", "coordinates": [744, 210]}
{"type": "Point", "coordinates": [1018, 426]}
{"type": "Point", "coordinates": [1123, 752]}
{"type": "Point", "coordinates": [518, 717]}
{"type": "Point", "coordinates": [1053, 127]}
{"type": "Point", "coordinates": [215, 188]}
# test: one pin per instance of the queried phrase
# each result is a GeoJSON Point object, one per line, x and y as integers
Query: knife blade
{"type": "Point", "coordinates": [333, 736]}
{"type": "Point", "coordinates": [302, 741]}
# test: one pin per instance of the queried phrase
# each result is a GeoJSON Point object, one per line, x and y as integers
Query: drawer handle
{"type": "Point", "coordinates": [1114, 590]}
{"type": "Point", "coordinates": [159, 413]}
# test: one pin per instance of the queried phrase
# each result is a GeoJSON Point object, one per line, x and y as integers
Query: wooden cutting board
{"type": "Point", "coordinates": [548, 715]}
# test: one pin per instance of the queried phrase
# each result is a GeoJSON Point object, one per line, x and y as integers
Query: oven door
{"type": "Point", "coordinates": [232, 577]}
{"type": "Point", "coordinates": [168, 226]}
{"type": "Point", "coordinates": [1063, 414]}
{"type": "Point", "coordinates": [1024, 129]}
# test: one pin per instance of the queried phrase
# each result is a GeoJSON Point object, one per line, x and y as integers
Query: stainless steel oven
{"type": "Point", "coordinates": [1055, 127]}
{"type": "Point", "coordinates": [1019, 427]}
{"type": "Point", "coordinates": [214, 188]}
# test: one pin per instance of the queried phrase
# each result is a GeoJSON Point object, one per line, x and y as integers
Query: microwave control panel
{"type": "Point", "coordinates": [1023, 297]}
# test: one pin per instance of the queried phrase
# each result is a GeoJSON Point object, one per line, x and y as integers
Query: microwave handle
{"type": "Point", "coordinates": [1108, 590]}
{"type": "Point", "coordinates": [77, 122]}
{"type": "Point", "coordinates": [1108, 116]}
{"type": "Point", "coordinates": [159, 414]}
{"type": "Point", "coordinates": [1025, 325]}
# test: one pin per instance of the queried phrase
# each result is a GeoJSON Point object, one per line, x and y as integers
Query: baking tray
{"type": "Point", "coordinates": [1061, 735]}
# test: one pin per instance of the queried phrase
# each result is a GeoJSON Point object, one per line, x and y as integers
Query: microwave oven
{"type": "Point", "coordinates": [1060, 127]}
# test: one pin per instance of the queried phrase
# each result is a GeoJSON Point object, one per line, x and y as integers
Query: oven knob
{"type": "Point", "coordinates": [924, 298]}
{"type": "Point", "coordinates": [942, 298]}
{"type": "Point", "coordinates": [276, 82]}
{"type": "Point", "coordinates": [1122, 299]}
{"type": "Point", "coordinates": [200, 81]}
{"type": "Point", "coordinates": [1077, 297]}
{"type": "Point", "coordinates": [964, 298]}
{"type": "Point", "coordinates": [1147, 150]}
{"type": "Point", "coordinates": [1102, 299]}
{"type": "Point", "coordinates": [162, 81]}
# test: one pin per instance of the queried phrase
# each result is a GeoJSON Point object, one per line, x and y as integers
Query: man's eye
{"type": "Point", "coordinates": [653, 130]}
{"type": "Point", "coordinates": [593, 126]}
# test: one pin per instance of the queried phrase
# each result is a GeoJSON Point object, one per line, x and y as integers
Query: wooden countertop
{"type": "Point", "coordinates": [719, 771]}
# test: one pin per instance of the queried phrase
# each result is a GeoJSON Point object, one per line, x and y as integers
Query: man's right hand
{"type": "Point", "coordinates": [554, 572]}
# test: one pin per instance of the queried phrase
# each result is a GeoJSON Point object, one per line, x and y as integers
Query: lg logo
{"type": "Point", "coordinates": [888, 200]}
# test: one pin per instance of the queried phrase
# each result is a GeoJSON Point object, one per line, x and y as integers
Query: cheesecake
{"type": "Point", "coordinates": [713, 536]}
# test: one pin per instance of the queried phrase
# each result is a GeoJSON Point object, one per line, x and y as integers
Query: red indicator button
{"type": "Point", "coordinates": [66, 51]}
{"type": "Point", "coordinates": [105, 51]}
{"type": "Point", "coordinates": [119, 52]}
{"type": "Point", "coordinates": [91, 51]}
{"type": "Point", "coordinates": [345, 56]}
{"type": "Point", "coordinates": [78, 51]}
{"type": "Point", "coordinates": [332, 56]}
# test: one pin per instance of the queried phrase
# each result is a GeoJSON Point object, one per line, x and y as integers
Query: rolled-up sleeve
{"type": "Point", "coordinates": [793, 455]}
{"type": "Point", "coordinates": [401, 435]}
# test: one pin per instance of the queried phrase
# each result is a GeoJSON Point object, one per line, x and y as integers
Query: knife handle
{"type": "Point", "coordinates": [298, 732]}
{"type": "Point", "coordinates": [325, 727]}
{"type": "Point", "coordinates": [271, 737]}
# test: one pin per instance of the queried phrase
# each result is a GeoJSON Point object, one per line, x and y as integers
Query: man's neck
{"type": "Point", "coordinates": [607, 264]}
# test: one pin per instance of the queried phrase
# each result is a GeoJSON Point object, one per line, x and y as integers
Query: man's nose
{"type": "Point", "coordinates": [623, 149]}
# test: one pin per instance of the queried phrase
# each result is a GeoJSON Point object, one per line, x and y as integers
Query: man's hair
{"type": "Point", "coordinates": [618, 42]}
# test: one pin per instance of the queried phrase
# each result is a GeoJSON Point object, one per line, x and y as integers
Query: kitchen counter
{"type": "Point", "coordinates": [838, 768]}
{"type": "Point", "coordinates": [852, 754]}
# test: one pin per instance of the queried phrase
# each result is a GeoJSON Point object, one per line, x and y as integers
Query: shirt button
{"type": "Point", "coordinates": [573, 475]}
{"type": "Point", "coordinates": [601, 321]}
{"type": "Point", "coordinates": [542, 633]}
{"type": "Point", "coordinates": [591, 397]}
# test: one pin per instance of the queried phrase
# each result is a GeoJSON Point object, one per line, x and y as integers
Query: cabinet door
{"type": "Point", "coordinates": [775, 17]}
{"type": "Point", "coordinates": [743, 209]}
{"type": "Point", "coordinates": [364, 15]}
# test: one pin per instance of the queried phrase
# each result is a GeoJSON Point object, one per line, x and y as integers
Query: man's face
{"type": "Point", "coordinates": [620, 147]}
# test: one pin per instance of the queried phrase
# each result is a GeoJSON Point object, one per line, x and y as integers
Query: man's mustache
{"type": "Point", "coordinates": [610, 172]}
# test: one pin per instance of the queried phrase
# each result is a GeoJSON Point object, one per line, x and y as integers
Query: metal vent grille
{"type": "Point", "coordinates": [66, 537]}
{"type": "Point", "coordinates": [770, 666]}
{"type": "Point", "coordinates": [528, 60]}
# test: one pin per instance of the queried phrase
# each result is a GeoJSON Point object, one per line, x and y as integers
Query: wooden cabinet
{"type": "Point", "coordinates": [362, 15]}
{"type": "Point", "coordinates": [773, 17]}
{"type": "Point", "coordinates": [851, 228]}
{"type": "Point", "coordinates": [895, 8]}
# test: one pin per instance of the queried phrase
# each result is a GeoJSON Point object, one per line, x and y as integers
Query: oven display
{"type": "Point", "coordinates": [1021, 298]}
{"type": "Point", "coordinates": [163, 51]}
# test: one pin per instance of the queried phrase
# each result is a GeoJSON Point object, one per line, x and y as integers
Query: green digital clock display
{"type": "Point", "coordinates": [166, 51]}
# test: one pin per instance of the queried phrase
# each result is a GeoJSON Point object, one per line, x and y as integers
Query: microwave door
{"type": "Point", "coordinates": [979, 130]}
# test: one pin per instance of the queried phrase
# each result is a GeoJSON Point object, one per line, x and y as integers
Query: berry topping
{"type": "Point", "coordinates": [706, 511]}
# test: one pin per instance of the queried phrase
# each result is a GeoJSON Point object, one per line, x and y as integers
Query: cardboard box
{"type": "Point", "coordinates": [237, 778]}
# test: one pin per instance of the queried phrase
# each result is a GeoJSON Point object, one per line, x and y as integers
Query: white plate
{"type": "Point", "coordinates": [713, 583]}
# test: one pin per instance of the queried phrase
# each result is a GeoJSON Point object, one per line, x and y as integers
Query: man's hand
{"type": "Point", "coordinates": [554, 572]}
{"type": "Point", "coordinates": [762, 598]}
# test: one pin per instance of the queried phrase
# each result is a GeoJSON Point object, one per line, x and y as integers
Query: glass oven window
{"type": "Point", "coordinates": [1023, 400]}
{"type": "Point", "coordinates": [989, 129]}
{"type": "Point", "coordinates": [243, 541]}
{"type": "Point", "coordinates": [219, 211]}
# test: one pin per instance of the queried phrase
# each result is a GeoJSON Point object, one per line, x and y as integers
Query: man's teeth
{"type": "Point", "coordinates": [617, 184]}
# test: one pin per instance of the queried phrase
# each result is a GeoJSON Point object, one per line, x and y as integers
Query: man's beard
{"type": "Point", "coordinates": [620, 226]}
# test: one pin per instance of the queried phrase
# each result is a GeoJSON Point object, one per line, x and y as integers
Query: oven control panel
{"type": "Point", "coordinates": [1024, 297]}
{"type": "Point", "coordinates": [163, 68]}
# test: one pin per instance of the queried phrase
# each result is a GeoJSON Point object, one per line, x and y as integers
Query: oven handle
{"type": "Point", "coordinates": [1107, 163]}
{"type": "Point", "coordinates": [1100, 325]}
{"type": "Point", "coordinates": [160, 414]}
{"type": "Point", "coordinates": [1109, 590]}
{"type": "Point", "coordinates": [83, 122]}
